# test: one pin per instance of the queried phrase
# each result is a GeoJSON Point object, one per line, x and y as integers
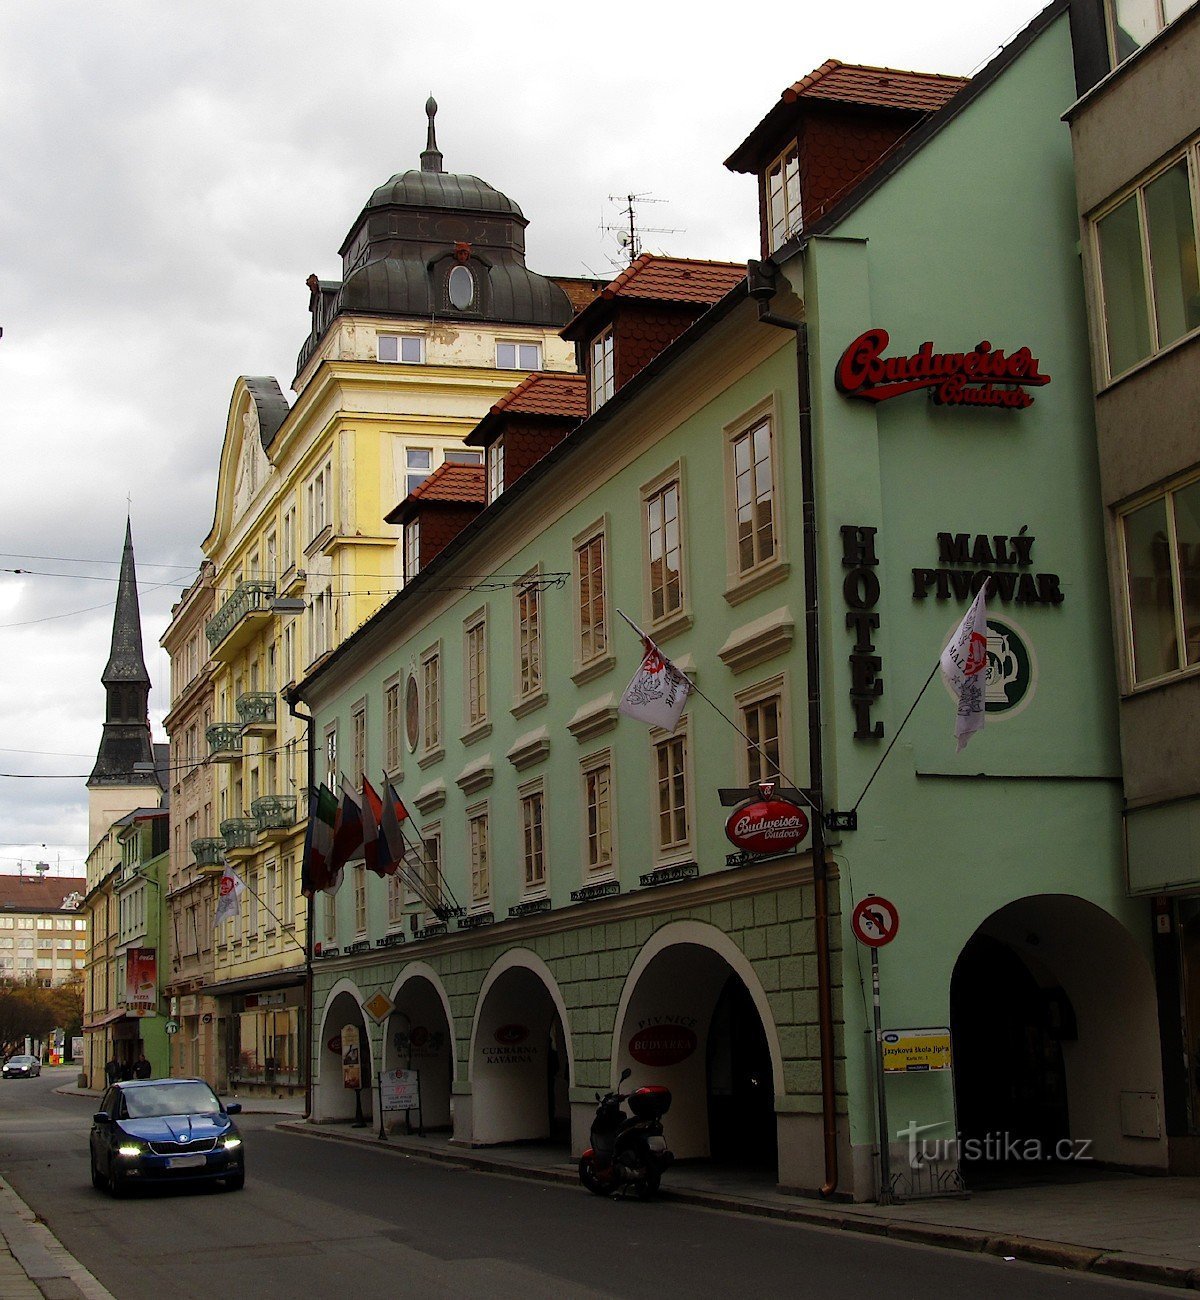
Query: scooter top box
{"type": "Point", "coordinates": [650, 1102]}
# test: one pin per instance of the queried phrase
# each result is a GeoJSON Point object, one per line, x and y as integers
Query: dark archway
{"type": "Point", "coordinates": [741, 1098]}
{"type": "Point", "coordinates": [418, 1036]}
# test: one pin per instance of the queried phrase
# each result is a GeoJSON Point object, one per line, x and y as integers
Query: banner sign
{"type": "Point", "coordinates": [141, 981]}
{"type": "Point", "coordinates": [400, 1090]}
{"type": "Point", "coordinates": [351, 1058]}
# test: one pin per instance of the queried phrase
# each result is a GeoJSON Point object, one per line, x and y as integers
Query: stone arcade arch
{"type": "Point", "coordinates": [521, 1062]}
{"type": "Point", "coordinates": [331, 1100]}
{"type": "Point", "coordinates": [686, 1019]}
{"type": "Point", "coordinates": [419, 1035]}
{"type": "Point", "coordinates": [1054, 1018]}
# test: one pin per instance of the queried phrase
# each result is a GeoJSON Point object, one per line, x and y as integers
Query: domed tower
{"type": "Point", "coordinates": [439, 247]}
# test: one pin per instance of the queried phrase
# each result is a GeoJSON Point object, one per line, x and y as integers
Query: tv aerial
{"type": "Point", "coordinates": [630, 231]}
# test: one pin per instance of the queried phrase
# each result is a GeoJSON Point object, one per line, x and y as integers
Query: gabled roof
{"type": "Point", "coordinates": [849, 84]}
{"type": "Point", "coordinates": [38, 893]}
{"type": "Point", "coordinates": [448, 485]}
{"type": "Point", "coordinates": [660, 279]}
{"type": "Point", "coordinates": [545, 394]}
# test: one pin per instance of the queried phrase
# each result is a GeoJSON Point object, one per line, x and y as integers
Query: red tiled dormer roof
{"type": "Point", "coordinates": [38, 894]}
{"type": "Point", "coordinates": [453, 483]}
{"type": "Point", "coordinates": [546, 392]}
{"type": "Point", "coordinates": [660, 279]}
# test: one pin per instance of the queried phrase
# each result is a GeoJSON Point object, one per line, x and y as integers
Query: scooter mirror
{"type": "Point", "coordinates": [625, 1073]}
{"type": "Point", "coordinates": [597, 1096]}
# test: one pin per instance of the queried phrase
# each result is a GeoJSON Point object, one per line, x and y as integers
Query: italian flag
{"type": "Point", "coordinates": [318, 842]}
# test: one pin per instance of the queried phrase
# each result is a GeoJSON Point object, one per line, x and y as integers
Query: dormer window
{"type": "Point", "coordinates": [406, 348]}
{"type": "Point", "coordinates": [460, 288]}
{"type": "Point", "coordinates": [600, 370]}
{"type": "Point", "coordinates": [412, 549]}
{"type": "Point", "coordinates": [783, 196]}
{"type": "Point", "coordinates": [518, 356]}
{"type": "Point", "coordinates": [495, 470]}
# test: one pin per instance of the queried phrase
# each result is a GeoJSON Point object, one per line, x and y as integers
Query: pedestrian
{"type": "Point", "coordinates": [111, 1071]}
{"type": "Point", "coordinates": [126, 1071]}
{"type": "Point", "coordinates": [141, 1067]}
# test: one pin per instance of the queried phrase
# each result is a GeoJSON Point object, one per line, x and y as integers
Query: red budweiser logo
{"type": "Point", "coordinates": [767, 826]}
{"type": "Point", "coordinates": [985, 376]}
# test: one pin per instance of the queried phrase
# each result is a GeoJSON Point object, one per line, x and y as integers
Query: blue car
{"type": "Point", "coordinates": [158, 1131]}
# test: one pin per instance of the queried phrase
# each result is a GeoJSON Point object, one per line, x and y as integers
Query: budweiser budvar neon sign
{"type": "Point", "coordinates": [985, 376]}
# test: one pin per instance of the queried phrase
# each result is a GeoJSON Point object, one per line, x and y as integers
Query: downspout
{"type": "Point", "coordinates": [762, 286]}
{"type": "Point", "coordinates": [310, 754]}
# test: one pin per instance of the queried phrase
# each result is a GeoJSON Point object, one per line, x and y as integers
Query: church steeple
{"type": "Point", "coordinates": [125, 740]}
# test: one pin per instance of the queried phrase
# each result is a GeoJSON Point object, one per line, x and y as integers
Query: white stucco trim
{"type": "Point", "coordinates": [525, 959]}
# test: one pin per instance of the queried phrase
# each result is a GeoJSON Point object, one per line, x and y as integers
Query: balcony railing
{"type": "Point", "coordinates": [249, 597]}
{"type": "Point", "coordinates": [239, 833]}
{"type": "Point", "coordinates": [274, 812]}
{"type": "Point", "coordinates": [209, 852]}
{"type": "Point", "coordinates": [224, 741]}
{"type": "Point", "coordinates": [257, 712]}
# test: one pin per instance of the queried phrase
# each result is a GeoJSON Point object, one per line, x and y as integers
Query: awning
{"type": "Point", "coordinates": [106, 1018]}
{"type": "Point", "coordinates": [280, 979]}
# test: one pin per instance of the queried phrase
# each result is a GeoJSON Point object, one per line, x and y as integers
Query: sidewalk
{"type": "Point", "coordinates": [1141, 1228]}
{"type": "Point", "coordinates": [33, 1264]}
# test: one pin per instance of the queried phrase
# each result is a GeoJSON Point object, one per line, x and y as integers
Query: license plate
{"type": "Point", "coordinates": [657, 1143]}
{"type": "Point", "coordinates": [185, 1162]}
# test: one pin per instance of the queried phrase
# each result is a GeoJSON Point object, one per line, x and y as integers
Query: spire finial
{"type": "Point", "coordinates": [431, 159]}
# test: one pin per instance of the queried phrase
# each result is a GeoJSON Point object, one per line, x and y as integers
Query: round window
{"type": "Point", "coordinates": [461, 288]}
{"type": "Point", "coordinates": [412, 714]}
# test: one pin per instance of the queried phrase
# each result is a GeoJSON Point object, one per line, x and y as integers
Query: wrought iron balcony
{"type": "Point", "coordinates": [239, 833]}
{"type": "Point", "coordinates": [209, 852]}
{"type": "Point", "coordinates": [224, 741]}
{"type": "Point", "coordinates": [246, 606]}
{"type": "Point", "coordinates": [257, 712]}
{"type": "Point", "coordinates": [275, 814]}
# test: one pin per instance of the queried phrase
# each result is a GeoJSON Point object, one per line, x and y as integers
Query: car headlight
{"type": "Point", "coordinates": [230, 1142]}
{"type": "Point", "coordinates": [130, 1149]}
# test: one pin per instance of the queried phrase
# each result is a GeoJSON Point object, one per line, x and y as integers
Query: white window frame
{"type": "Point", "coordinates": [396, 901]}
{"type": "Point", "coordinates": [784, 212]}
{"type": "Point", "coordinates": [765, 570]}
{"type": "Point", "coordinates": [533, 829]}
{"type": "Point", "coordinates": [476, 722]}
{"type": "Point", "coordinates": [412, 549]}
{"type": "Point", "coordinates": [675, 618]}
{"type": "Point", "coordinates": [591, 662]}
{"type": "Point", "coordinates": [415, 475]}
{"type": "Point", "coordinates": [393, 725]}
{"type": "Point", "coordinates": [405, 349]}
{"type": "Point", "coordinates": [595, 865]}
{"type": "Point", "coordinates": [432, 693]}
{"type": "Point", "coordinates": [479, 855]}
{"type": "Point", "coordinates": [673, 850]}
{"type": "Point", "coordinates": [601, 369]}
{"type": "Point", "coordinates": [529, 643]}
{"type": "Point", "coordinates": [358, 733]}
{"type": "Point", "coordinates": [1163, 22]}
{"type": "Point", "coordinates": [514, 354]}
{"type": "Point", "coordinates": [495, 469]}
{"type": "Point", "coordinates": [753, 697]}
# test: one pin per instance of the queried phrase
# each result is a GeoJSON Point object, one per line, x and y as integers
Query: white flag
{"type": "Point", "coordinates": [229, 896]}
{"type": "Point", "coordinates": [657, 692]}
{"type": "Point", "coordinates": [964, 666]}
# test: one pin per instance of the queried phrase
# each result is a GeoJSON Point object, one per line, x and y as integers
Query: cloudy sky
{"type": "Point", "coordinates": [172, 172]}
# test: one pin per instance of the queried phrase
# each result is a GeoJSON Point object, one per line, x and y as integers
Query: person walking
{"type": "Point", "coordinates": [111, 1070]}
{"type": "Point", "coordinates": [141, 1067]}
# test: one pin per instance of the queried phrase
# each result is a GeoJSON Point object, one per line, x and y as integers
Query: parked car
{"type": "Point", "coordinates": [22, 1067]}
{"type": "Point", "coordinates": [157, 1131]}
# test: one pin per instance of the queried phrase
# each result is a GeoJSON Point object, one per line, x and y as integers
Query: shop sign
{"type": "Point", "coordinates": [861, 592]}
{"type": "Point", "coordinates": [916, 1051]}
{"type": "Point", "coordinates": [400, 1090]}
{"type": "Point", "coordinates": [663, 1044]}
{"type": "Point", "coordinates": [351, 1058]}
{"type": "Point", "coordinates": [985, 376]}
{"type": "Point", "coordinates": [766, 826]}
{"type": "Point", "coordinates": [141, 981]}
{"type": "Point", "coordinates": [511, 1046]}
{"type": "Point", "coordinates": [967, 560]}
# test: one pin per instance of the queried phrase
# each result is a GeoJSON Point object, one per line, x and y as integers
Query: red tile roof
{"type": "Point", "coordinates": [38, 894]}
{"type": "Point", "coordinates": [453, 483]}
{"type": "Point", "coordinates": [854, 83]}
{"type": "Point", "coordinates": [547, 393]}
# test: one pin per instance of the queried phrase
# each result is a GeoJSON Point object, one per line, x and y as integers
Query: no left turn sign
{"type": "Point", "coordinates": [875, 921]}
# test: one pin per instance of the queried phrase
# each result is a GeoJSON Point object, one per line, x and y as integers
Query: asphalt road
{"type": "Point", "coordinates": [318, 1218]}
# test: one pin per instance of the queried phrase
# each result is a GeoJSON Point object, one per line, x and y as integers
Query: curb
{"type": "Point", "coordinates": [1031, 1250]}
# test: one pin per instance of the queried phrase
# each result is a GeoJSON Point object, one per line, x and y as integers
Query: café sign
{"type": "Point", "coordinates": [984, 376]}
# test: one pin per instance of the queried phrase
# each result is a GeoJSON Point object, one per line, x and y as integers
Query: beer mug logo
{"type": "Point", "coordinates": [1011, 670]}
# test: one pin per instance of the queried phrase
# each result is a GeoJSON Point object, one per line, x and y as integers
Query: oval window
{"type": "Point", "coordinates": [412, 714]}
{"type": "Point", "coordinates": [461, 288]}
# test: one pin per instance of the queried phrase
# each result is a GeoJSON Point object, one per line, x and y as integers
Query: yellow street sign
{"type": "Point", "coordinates": [906, 1051]}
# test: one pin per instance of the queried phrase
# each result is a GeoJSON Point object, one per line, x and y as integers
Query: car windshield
{"type": "Point", "coordinates": [171, 1099]}
{"type": "Point", "coordinates": [20, 1060]}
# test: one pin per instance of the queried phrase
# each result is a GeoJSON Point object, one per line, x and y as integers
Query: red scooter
{"type": "Point", "coordinates": [627, 1151]}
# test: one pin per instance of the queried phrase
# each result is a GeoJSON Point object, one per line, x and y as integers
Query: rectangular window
{"type": "Point", "coordinates": [359, 724]}
{"type": "Point", "coordinates": [753, 476]}
{"type": "Point", "coordinates": [664, 550]}
{"type": "Point", "coordinates": [406, 348]}
{"type": "Point", "coordinates": [763, 721]}
{"type": "Point", "coordinates": [418, 465]}
{"type": "Point", "coordinates": [1134, 22]}
{"type": "Point", "coordinates": [431, 692]}
{"type": "Point", "coordinates": [783, 197]}
{"type": "Point", "coordinates": [598, 814]}
{"type": "Point", "coordinates": [412, 549]}
{"type": "Point", "coordinates": [360, 902]}
{"type": "Point", "coordinates": [287, 540]}
{"type": "Point", "coordinates": [590, 602]}
{"type": "Point", "coordinates": [462, 456]}
{"type": "Point", "coordinates": [319, 495]}
{"type": "Point", "coordinates": [533, 843]}
{"type": "Point", "coordinates": [475, 667]}
{"type": "Point", "coordinates": [331, 759]}
{"type": "Point", "coordinates": [518, 356]}
{"type": "Point", "coordinates": [395, 900]}
{"type": "Point", "coordinates": [495, 469]}
{"type": "Point", "coordinates": [330, 918]}
{"type": "Point", "coordinates": [673, 827]}
{"type": "Point", "coordinates": [431, 865]}
{"type": "Point", "coordinates": [392, 724]}
{"type": "Point", "coordinates": [1146, 254]}
{"type": "Point", "coordinates": [600, 370]}
{"type": "Point", "coordinates": [287, 892]}
{"type": "Point", "coordinates": [529, 638]}
{"type": "Point", "coordinates": [1161, 544]}
{"type": "Point", "coordinates": [480, 853]}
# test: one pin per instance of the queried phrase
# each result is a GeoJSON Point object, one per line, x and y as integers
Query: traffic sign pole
{"type": "Point", "coordinates": [885, 1154]}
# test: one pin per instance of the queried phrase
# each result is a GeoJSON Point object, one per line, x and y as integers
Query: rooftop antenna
{"type": "Point", "coordinates": [629, 233]}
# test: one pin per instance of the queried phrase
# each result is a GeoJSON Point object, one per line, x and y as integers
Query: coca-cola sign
{"type": "Point", "coordinates": [985, 376]}
{"type": "Point", "coordinates": [767, 826]}
{"type": "Point", "coordinates": [662, 1045]}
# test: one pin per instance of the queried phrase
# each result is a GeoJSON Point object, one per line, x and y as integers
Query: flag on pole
{"type": "Point", "coordinates": [658, 691]}
{"type": "Point", "coordinates": [229, 896]}
{"type": "Point", "coordinates": [390, 833]}
{"type": "Point", "coordinates": [964, 666]}
{"type": "Point", "coordinates": [377, 849]}
{"type": "Point", "coordinates": [318, 841]}
{"type": "Point", "coordinates": [347, 830]}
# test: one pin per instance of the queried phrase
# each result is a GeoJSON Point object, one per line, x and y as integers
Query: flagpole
{"type": "Point", "coordinates": [785, 778]}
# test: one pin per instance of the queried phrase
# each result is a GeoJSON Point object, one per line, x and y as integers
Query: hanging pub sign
{"type": "Point", "coordinates": [766, 825]}
{"type": "Point", "coordinates": [985, 376]}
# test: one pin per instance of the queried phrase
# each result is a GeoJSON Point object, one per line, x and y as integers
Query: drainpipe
{"type": "Point", "coordinates": [310, 755]}
{"type": "Point", "coordinates": [762, 286]}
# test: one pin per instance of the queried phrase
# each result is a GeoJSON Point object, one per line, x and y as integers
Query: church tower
{"type": "Point", "coordinates": [124, 777]}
